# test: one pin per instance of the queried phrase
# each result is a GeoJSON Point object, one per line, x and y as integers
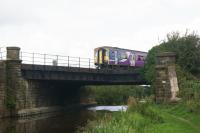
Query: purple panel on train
{"type": "Point", "coordinates": [126, 57]}
{"type": "Point", "coordinates": [119, 57]}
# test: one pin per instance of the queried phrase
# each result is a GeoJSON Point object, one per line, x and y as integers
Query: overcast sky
{"type": "Point", "coordinates": [76, 27]}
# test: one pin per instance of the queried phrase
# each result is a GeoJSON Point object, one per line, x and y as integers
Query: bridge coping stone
{"type": "Point", "coordinates": [13, 53]}
{"type": "Point", "coordinates": [166, 54]}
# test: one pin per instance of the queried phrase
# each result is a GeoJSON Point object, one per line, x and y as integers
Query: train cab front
{"type": "Point", "coordinates": [101, 57]}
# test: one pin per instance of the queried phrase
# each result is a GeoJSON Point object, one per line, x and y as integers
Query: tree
{"type": "Point", "coordinates": [187, 49]}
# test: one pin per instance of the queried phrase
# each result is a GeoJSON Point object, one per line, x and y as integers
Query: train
{"type": "Point", "coordinates": [107, 56]}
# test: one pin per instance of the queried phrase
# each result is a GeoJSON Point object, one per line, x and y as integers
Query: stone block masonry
{"type": "Point", "coordinates": [21, 97]}
{"type": "Point", "coordinates": [38, 90]}
{"type": "Point", "coordinates": [166, 83]}
{"type": "Point", "coordinates": [11, 94]}
{"type": "Point", "coordinates": [2, 87]}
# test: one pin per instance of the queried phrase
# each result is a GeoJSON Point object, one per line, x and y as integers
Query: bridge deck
{"type": "Point", "coordinates": [83, 75]}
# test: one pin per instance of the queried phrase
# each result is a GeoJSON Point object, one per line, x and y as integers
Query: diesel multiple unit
{"type": "Point", "coordinates": [118, 57]}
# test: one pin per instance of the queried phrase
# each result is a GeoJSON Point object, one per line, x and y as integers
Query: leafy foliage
{"type": "Point", "coordinates": [146, 108]}
{"type": "Point", "coordinates": [124, 122]}
{"type": "Point", "coordinates": [187, 49]}
{"type": "Point", "coordinates": [147, 118]}
{"type": "Point", "coordinates": [190, 92]}
{"type": "Point", "coordinates": [115, 94]}
{"type": "Point", "coordinates": [10, 102]}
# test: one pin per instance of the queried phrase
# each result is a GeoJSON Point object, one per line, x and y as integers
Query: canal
{"type": "Point", "coordinates": [65, 122]}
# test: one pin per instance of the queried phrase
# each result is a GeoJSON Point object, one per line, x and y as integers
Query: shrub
{"type": "Point", "coordinates": [187, 49]}
{"type": "Point", "coordinates": [10, 102]}
{"type": "Point", "coordinates": [145, 108]}
{"type": "Point", "coordinates": [115, 94]}
{"type": "Point", "coordinates": [190, 93]}
{"type": "Point", "coordinates": [132, 104]}
{"type": "Point", "coordinates": [120, 122]}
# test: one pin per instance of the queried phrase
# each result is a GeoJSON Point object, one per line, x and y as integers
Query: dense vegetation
{"type": "Point", "coordinates": [147, 117]}
{"type": "Point", "coordinates": [187, 50]}
{"type": "Point", "coordinates": [115, 94]}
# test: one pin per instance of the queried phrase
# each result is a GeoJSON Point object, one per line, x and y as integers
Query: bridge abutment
{"type": "Point", "coordinates": [166, 84]}
{"type": "Point", "coordinates": [23, 97]}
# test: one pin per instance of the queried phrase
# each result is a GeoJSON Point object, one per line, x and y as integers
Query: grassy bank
{"type": "Point", "coordinates": [148, 118]}
{"type": "Point", "coordinates": [182, 117]}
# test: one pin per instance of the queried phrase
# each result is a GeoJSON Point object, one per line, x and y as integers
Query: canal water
{"type": "Point", "coordinates": [66, 122]}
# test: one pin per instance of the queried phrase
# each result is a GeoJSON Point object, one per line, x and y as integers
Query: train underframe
{"type": "Point", "coordinates": [114, 67]}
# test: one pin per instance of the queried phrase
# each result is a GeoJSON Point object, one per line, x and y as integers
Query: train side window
{"type": "Point", "coordinates": [140, 58]}
{"type": "Point", "coordinates": [123, 55]}
{"type": "Point", "coordinates": [112, 55]}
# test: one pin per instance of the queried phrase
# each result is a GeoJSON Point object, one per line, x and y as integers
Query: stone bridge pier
{"type": "Point", "coordinates": [166, 83]}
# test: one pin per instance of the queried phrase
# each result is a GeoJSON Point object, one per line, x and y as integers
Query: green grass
{"type": "Point", "coordinates": [148, 118]}
{"type": "Point", "coordinates": [182, 117]}
{"type": "Point", "coordinates": [172, 124]}
{"type": "Point", "coordinates": [177, 120]}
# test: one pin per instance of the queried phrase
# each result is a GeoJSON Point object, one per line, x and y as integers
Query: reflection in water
{"type": "Point", "coordinates": [56, 123]}
{"type": "Point", "coordinates": [109, 108]}
{"type": "Point", "coordinates": [67, 122]}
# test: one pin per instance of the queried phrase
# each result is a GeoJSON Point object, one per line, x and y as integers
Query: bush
{"type": "Point", "coordinates": [116, 94]}
{"type": "Point", "coordinates": [146, 108]}
{"type": "Point", "coordinates": [190, 93]}
{"type": "Point", "coordinates": [132, 104]}
{"type": "Point", "coordinates": [120, 122]}
{"type": "Point", "coordinates": [187, 49]}
{"type": "Point", "coordinates": [137, 119]}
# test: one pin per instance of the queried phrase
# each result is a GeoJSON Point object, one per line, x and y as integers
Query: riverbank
{"type": "Point", "coordinates": [148, 118]}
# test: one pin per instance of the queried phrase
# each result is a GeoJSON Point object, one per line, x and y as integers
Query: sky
{"type": "Point", "coordinates": [76, 27]}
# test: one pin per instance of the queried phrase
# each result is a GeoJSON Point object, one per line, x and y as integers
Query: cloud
{"type": "Point", "coordinates": [76, 27]}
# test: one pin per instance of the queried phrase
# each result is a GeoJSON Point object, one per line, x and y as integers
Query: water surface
{"type": "Point", "coordinates": [67, 122]}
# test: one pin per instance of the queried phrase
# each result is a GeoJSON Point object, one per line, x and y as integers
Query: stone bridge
{"type": "Point", "coordinates": [31, 88]}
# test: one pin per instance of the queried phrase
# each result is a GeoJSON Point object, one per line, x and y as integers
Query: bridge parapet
{"type": "Point", "coordinates": [33, 58]}
{"type": "Point", "coordinates": [55, 60]}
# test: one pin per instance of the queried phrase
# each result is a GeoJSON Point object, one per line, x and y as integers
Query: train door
{"type": "Point", "coordinates": [116, 58]}
{"type": "Point", "coordinates": [100, 56]}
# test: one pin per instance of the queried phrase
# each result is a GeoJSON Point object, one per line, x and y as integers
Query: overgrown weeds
{"type": "Point", "coordinates": [137, 119]}
{"type": "Point", "coordinates": [190, 93]}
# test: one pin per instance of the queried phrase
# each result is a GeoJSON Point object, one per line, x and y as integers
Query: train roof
{"type": "Point", "coordinates": [120, 48]}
